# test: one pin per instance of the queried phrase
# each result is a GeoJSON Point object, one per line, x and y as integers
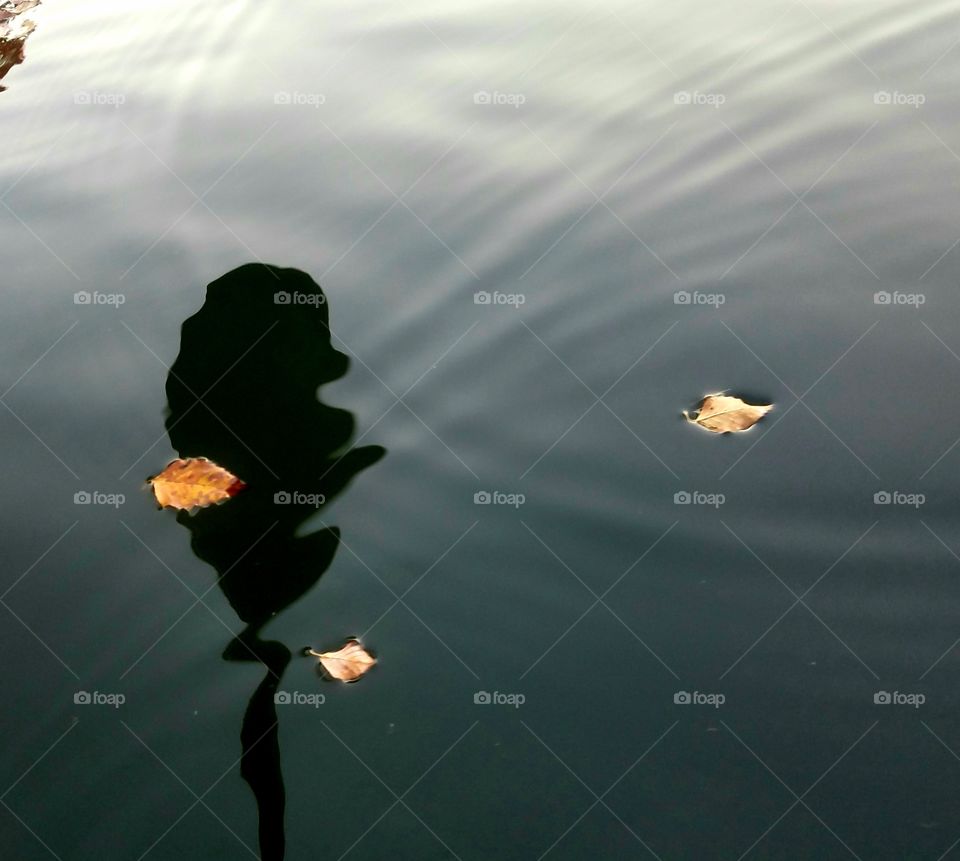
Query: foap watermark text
{"type": "Point", "coordinates": [99, 698]}
{"type": "Point", "coordinates": [897, 497]}
{"type": "Point", "coordinates": [310, 100]}
{"type": "Point", "coordinates": [498, 497]}
{"type": "Point", "coordinates": [695, 97]}
{"type": "Point", "coordinates": [698, 698]}
{"type": "Point", "coordinates": [495, 97]}
{"type": "Point", "coordinates": [296, 698]}
{"type": "Point", "coordinates": [496, 698]}
{"type": "Point", "coordinates": [84, 297]}
{"type": "Point", "coordinates": [112, 100]}
{"type": "Point", "coordinates": [97, 497]}
{"type": "Point", "coordinates": [295, 497]}
{"type": "Point", "coordinates": [283, 297]}
{"type": "Point", "coordinates": [482, 297]}
{"type": "Point", "coordinates": [686, 297]}
{"type": "Point", "coordinates": [898, 297]}
{"type": "Point", "coordinates": [697, 497]}
{"type": "Point", "coordinates": [898, 698]}
{"type": "Point", "coordinates": [896, 98]}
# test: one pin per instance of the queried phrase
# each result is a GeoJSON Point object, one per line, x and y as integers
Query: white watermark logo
{"type": "Point", "coordinates": [498, 497]}
{"type": "Point", "coordinates": [696, 497]}
{"type": "Point", "coordinates": [97, 698]}
{"type": "Point", "coordinates": [698, 698]}
{"type": "Point", "coordinates": [486, 97]}
{"type": "Point", "coordinates": [482, 297]}
{"type": "Point", "coordinates": [296, 698]}
{"type": "Point", "coordinates": [313, 100]}
{"type": "Point", "coordinates": [84, 297]}
{"type": "Point", "coordinates": [486, 698]}
{"type": "Point", "coordinates": [96, 497]}
{"type": "Point", "coordinates": [886, 97]}
{"type": "Point", "coordinates": [897, 497]}
{"type": "Point", "coordinates": [282, 297]}
{"type": "Point", "coordinates": [295, 497]}
{"type": "Point", "coordinates": [684, 297]}
{"type": "Point", "coordinates": [898, 698]}
{"type": "Point", "coordinates": [897, 297]}
{"type": "Point", "coordinates": [113, 100]}
{"type": "Point", "coordinates": [686, 97]}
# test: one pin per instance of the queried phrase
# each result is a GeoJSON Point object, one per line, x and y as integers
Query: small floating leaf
{"type": "Point", "coordinates": [11, 28]}
{"type": "Point", "coordinates": [722, 414]}
{"type": "Point", "coordinates": [347, 664]}
{"type": "Point", "coordinates": [194, 483]}
{"type": "Point", "coordinates": [13, 33]}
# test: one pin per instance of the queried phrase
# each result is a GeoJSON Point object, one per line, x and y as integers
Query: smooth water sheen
{"type": "Point", "coordinates": [660, 201]}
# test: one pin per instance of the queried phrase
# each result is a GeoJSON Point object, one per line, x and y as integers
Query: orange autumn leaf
{"type": "Point", "coordinates": [194, 483]}
{"type": "Point", "coordinates": [347, 664]}
{"type": "Point", "coordinates": [722, 414]}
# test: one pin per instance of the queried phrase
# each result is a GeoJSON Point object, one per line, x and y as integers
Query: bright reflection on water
{"type": "Point", "coordinates": [542, 231]}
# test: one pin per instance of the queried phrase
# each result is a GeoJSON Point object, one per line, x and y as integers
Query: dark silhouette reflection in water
{"type": "Point", "coordinates": [243, 392]}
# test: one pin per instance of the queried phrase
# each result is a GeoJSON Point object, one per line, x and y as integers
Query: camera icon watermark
{"type": "Point", "coordinates": [94, 99]}
{"type": "Point", "coordinates": [486, 97]}
{"type": "Point", "coordinates": [496, 698]}
{"type": "Point", "coordinates": [96, 698]}
{"type": "Point", "coordinates": [898, 698]}
{"type": "Point", "coordinates": [686, 297]}
{"type": "Point", "coordinates": [295, 497]}
{"type": "Point", "coordinates": [498, 497]}
{"type": "Point", "coordinates": [696, 497]}
{"type": "Point", "coordinates": [898, 297]}
{"type": "Point", "coordinates": [896, 98]}
{"type": "Point", "coordinates": [96, 497]}
{"type": "Point", "coordinates": [483, 297]}
{"type": "Point", "coordinates": [695, 97]}
{"type": "Point", "coordinates": [697, 698]}
{"type": "Point", "coordinates": [296, 698]}
{"type": "Point", "coordinates": [283, 297]}
{"type": "Point", "coordinates": [85, 297]}
{"type": "Point", "coordinates": [897, 497]}
{"type": "Point", "coordinates": [311, 100]}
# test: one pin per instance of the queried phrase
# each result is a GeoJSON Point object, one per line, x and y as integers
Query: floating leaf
{"type": "Point", "coordinates": [347, 664]}
{"type": "Point", "coordinates": [194, 483]}
{"type": "Point", "coordinates": [722, 413]}
{"type": "Point", "coordinates": [9, 27]}
{"type": "Point", "coordinates": [13, 33]}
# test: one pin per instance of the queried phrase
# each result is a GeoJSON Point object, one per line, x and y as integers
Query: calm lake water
{"type": "Point", "coordinates": [542, 231]}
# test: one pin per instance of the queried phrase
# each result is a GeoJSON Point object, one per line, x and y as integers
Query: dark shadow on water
{"type": "Point", "coordinates": [243, 393]}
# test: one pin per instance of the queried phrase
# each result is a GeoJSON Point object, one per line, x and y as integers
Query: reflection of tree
{"type": "Point", "coordinates": [242, 392]}
{"type": "Point", "coordinates": [13, 34]}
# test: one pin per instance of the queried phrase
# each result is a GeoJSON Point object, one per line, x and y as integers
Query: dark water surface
{"type": "Point", "coordinates": [659, 201]}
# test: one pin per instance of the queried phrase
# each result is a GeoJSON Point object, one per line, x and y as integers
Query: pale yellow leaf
{"type": "Point", "coordinates": [723, 413]}
{"type": "Point", "coordinates": [346, 664]}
